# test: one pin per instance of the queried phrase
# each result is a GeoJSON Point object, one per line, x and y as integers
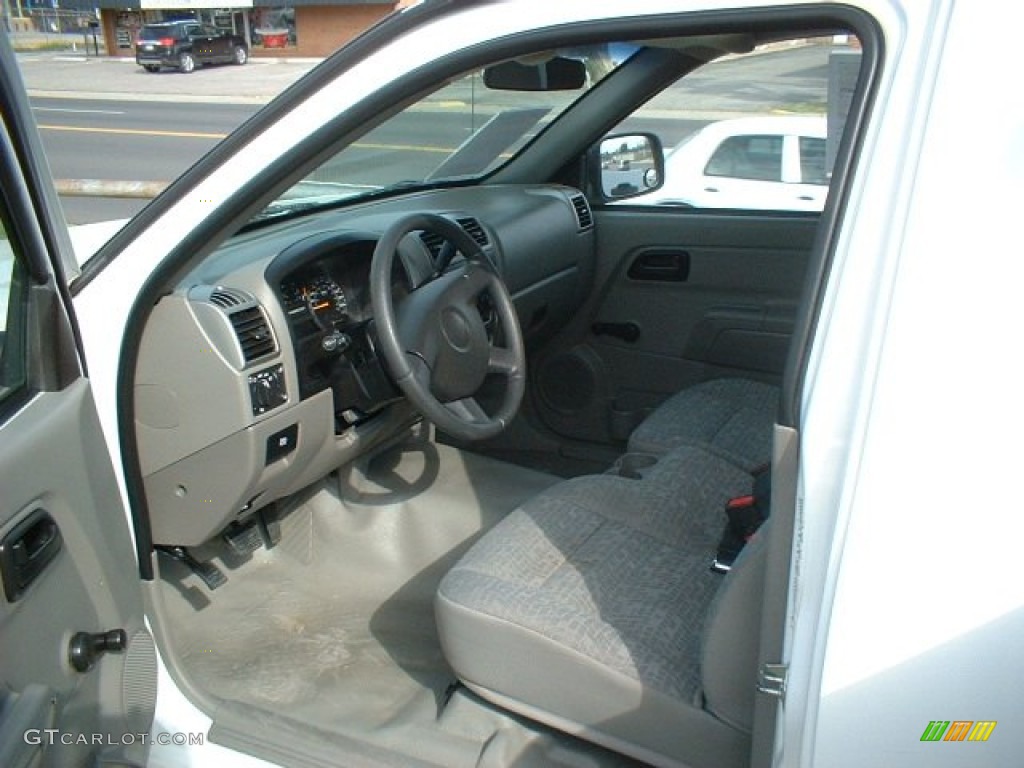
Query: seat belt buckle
{"type": "Point", "coordinates": [744, 517]}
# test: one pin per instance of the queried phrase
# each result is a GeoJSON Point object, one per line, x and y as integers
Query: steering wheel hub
{"type": "Point", "coordinates": [455, 327]}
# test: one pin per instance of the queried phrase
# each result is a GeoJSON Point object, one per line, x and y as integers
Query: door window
{"type": "Point", "coordinates": [731, 130]}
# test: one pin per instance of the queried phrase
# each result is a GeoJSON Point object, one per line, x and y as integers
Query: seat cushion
{"type": "Point", "coordinates": [732, 417]}
{"type": "Point", "coordinates": [585, 608]}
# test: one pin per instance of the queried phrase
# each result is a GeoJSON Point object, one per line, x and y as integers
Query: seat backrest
{"type": "Point", "coordinates": [732, 632]}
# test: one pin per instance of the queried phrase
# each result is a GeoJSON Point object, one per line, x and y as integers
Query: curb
{"type": "Point", "coordinates": [139, 190]}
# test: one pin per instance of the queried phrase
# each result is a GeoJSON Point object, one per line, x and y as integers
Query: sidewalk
{"type": "Point", "coordinates": [77, 76]}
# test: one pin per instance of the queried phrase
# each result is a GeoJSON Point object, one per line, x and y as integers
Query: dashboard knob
{"type": "Point", "coordinates": [335, 341]}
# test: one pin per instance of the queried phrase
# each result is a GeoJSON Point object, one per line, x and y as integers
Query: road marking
{"type": "Point", "coordinates": [218, 136]}
{"type": "Point", "coordinates": [404, 147]}
{"type": "Point", "coordinates": [133, 132]}
{"type": "Point", "coordinates": [79, 111]}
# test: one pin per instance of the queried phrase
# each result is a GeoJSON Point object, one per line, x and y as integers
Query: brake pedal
{"type": "Point", "coordinates": [210, 574]}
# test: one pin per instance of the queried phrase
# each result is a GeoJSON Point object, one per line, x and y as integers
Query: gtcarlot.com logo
{"type": "Point", "coordinates": [54, 736]}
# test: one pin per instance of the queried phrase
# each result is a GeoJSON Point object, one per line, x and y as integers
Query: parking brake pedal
{"type": "Point", "coordinates": [211, 575]}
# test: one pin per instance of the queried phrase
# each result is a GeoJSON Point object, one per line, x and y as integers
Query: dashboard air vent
{"type": "Point", "coordinates": [471, 226]}
{"type": "Point", "coordinates": [583, 215]}
{"type": "Point", "coordinates": [225, 298]}
{"type": "Point", "coordinates": [474, 230]}
{"type": "Point", "coordinates": [253, 333]}
{"type": "Point", "coordinates": [433, 241]}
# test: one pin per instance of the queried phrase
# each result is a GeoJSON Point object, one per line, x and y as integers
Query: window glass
{"type": "Point", "coordinates": [464, 130]}
{"type": "Point", "coordinates": [748, 157]}
{"type": "Point", "coordinates": [813, 168]}
{"type": "Point", "coordinates": [726, 124]}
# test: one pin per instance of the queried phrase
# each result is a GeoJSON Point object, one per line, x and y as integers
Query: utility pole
{"type": "Point", "coordinates": [8, 24]}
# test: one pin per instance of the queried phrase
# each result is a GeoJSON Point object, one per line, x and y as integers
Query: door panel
{"type": "Point", "coordinates": [77, 664]}
{"type": "Point", "coordinates": [53, 461]}
{"type": "Point", "coordinates": [684, 296]}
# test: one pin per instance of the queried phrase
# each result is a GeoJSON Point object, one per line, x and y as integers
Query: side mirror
{"type": "Point", "coordinates": [631, 165]}
{"type": "Point", "coordinates": [555, 74]}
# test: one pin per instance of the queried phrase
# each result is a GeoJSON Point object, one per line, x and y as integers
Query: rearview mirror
{"type": "Point", "coordinates": [555, 74]}
{"type": "Point", "coordinates": [631, 165]}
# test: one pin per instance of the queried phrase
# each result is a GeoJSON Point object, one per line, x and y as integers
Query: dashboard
{"type": "Point", "coordinates": [259, 374]}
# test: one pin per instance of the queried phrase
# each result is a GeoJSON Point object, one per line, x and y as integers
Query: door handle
{"type": "Point", "coordinates": [665, 265]}
{"type": "Point", "coordinates": [26, 550]}
{"type": "Point", "coordinates": [628, 332]}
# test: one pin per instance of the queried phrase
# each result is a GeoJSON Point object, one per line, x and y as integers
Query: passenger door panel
{"type": "Point", "coordinates": [682, 296]}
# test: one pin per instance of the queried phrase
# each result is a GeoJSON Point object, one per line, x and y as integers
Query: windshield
{"type": "Point", "coordinates": [464, 130]}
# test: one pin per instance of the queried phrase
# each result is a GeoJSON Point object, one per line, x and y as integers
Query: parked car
{"type": "Point", "coordinates": [433, 455]}
{"type": "Point", "coordinates": [756, 163]}
{"type": "Point", "coordinates": [186, 45]}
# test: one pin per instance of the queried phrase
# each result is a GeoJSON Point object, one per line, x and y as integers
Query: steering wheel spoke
{"type": "Point", "coordinates": [502, 361]}
{"type": "Point", "coordinates": [468, 409]}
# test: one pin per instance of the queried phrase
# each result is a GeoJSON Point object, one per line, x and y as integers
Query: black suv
{"type": "Point", "coordinates": [186, 45]}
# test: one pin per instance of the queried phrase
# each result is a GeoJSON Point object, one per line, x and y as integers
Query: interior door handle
{"type": "Point", "coordinates": [661, 264]}
{"type": "Point", "coordinates": [26, 550]}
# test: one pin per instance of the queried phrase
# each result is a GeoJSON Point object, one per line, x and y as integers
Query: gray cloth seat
{"type": "Point", "coordinates": [592, 608]}
{"type": "Point", "coordinates": [731, 417]}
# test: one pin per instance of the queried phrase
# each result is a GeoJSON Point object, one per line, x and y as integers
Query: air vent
{"type": "Point", "coordinates": [225, 298]}
{"type": "Point", "coordinates": [583, 215]}
{"type": "Point", "coordinates": [433, 241]}
{"type": "Point", "coordinates": [474, 230]}
{"type": "Point", "coordinates": [253, 333]}
{"type": "Point", "coordinates": [471, 226]}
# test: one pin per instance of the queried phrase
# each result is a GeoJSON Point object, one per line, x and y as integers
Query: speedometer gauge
{"type": "Point", "coordinates": [325, 298]}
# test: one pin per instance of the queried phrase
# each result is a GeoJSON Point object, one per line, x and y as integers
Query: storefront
{"type": "Point", "coordinates": [291, 27]}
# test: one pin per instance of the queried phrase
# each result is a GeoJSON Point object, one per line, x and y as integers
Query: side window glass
{"type": "Point", "coordinates": [758, 158]}
{"type": "Point", "coordinates": [12, 318]}
{"type": "Point", "coordinates": [751, 131]}
{"type": "Point", "coordinates": [813, 169]}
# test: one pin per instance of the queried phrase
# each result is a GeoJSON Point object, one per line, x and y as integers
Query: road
{"type": "Point", "coordinates": [124, 140]}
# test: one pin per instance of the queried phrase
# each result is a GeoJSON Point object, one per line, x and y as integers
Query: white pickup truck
{"type": "Point", "coordinates": [390, 434]}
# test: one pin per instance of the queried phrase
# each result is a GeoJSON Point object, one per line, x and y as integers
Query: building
{"type": "Point", "coordinates": [285, 28]}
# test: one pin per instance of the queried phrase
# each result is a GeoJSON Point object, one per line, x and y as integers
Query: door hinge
{"type": "Point", "coordinates": [771, 680]}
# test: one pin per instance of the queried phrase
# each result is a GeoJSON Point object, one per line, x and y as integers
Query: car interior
{"type": "Point", "coordinates": [435, 450]}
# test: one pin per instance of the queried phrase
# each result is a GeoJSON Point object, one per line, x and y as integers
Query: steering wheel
{"type": "Point", "coordinates": [435, 342]}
